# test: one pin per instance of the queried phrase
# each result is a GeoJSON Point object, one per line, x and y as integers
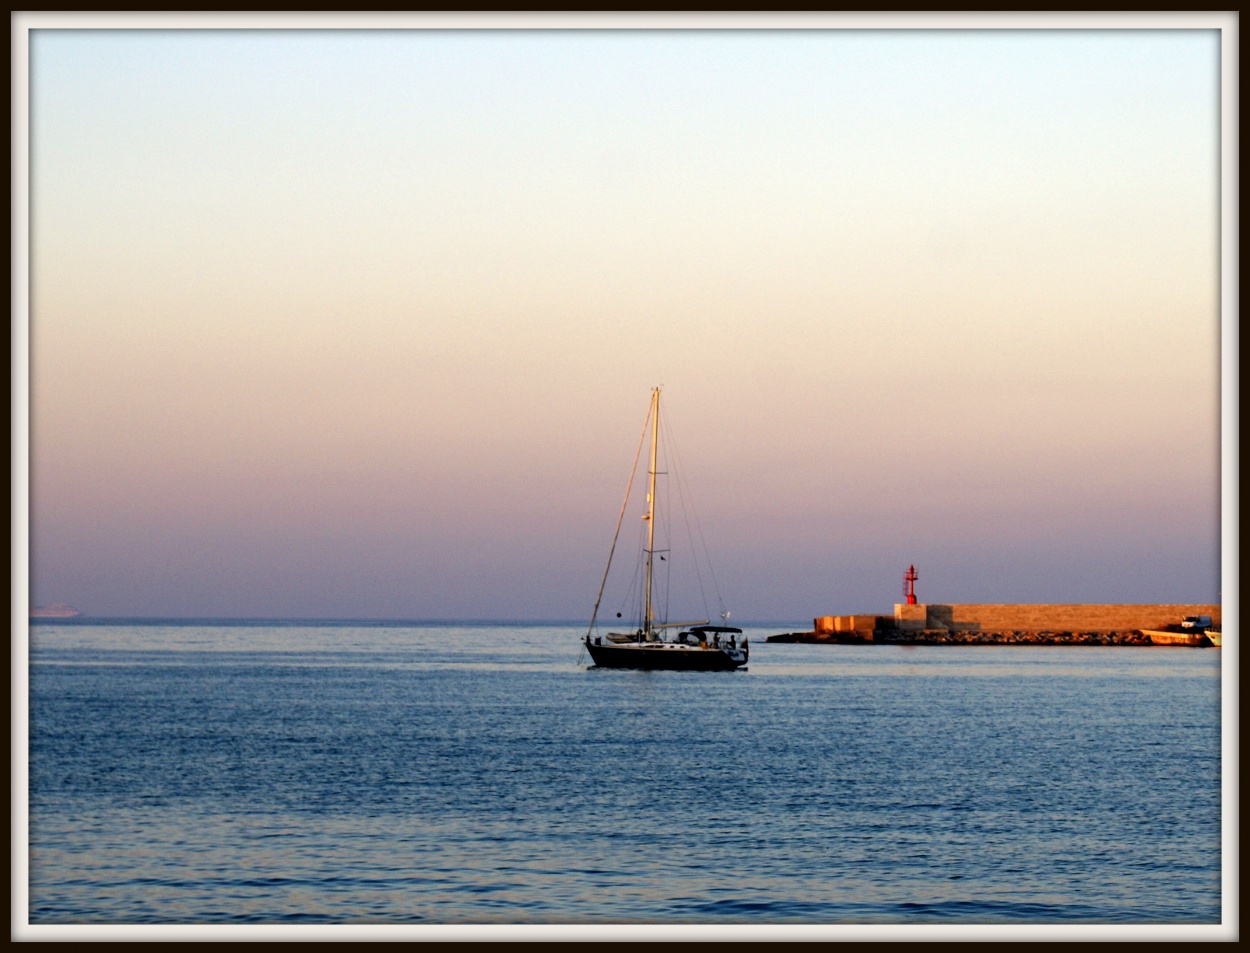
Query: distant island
{"type": "Point", "coordinates": [57, 610]}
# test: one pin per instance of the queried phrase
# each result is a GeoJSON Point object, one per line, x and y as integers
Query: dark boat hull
{"type": "Point", "coordinates": [668, 659]}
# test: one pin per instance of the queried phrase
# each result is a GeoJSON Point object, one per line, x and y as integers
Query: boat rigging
{"type": "Point", "coordinates": [698, 645]}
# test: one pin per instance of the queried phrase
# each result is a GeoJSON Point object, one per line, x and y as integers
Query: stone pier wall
{"type": "Point", "coordinates": [1011, 624]}
{"type": "Point", "coordinates": [846, 623]}
{"type": "Point", "coordinates": [991, 617]}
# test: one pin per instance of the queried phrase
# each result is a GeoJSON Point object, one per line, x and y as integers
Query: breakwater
{"type": "Point", "coordinates": [1002, 624]}
{"type": "Point", "coordinates": [947, 637]}
{"type": "Point", "coordinates": [1040, 617]}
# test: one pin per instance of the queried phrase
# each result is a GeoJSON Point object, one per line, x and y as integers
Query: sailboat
{"type": "Point", "coordinates": [697, 646]}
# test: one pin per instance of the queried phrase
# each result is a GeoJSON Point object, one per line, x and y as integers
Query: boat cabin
{"type": "Point", "coordinates": [710, 634]}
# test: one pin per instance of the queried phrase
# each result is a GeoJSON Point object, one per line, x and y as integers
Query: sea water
{"type": "Point", "coordinates": [486, 774]}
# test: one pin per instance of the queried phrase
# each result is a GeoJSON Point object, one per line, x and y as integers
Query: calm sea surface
{"type": "Point", "coordinates": [484, 774]}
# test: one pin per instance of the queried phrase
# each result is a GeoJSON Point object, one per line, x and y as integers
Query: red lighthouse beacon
{"type": "Point", "coordinates": [909, 585]}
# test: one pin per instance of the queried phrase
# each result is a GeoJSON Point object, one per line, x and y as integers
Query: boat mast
{"type": "Point", "coordinates": [655, 439]}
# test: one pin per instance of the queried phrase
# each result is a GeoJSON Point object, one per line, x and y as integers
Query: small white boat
{"type": "Point", "coordinates": [1196, 638]}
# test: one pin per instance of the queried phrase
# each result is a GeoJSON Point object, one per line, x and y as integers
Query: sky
{"type": "Point", "coordinates": [364, 323]}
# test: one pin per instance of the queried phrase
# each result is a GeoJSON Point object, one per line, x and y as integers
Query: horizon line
{"type": "Point", "coordinates": [84, 618]}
